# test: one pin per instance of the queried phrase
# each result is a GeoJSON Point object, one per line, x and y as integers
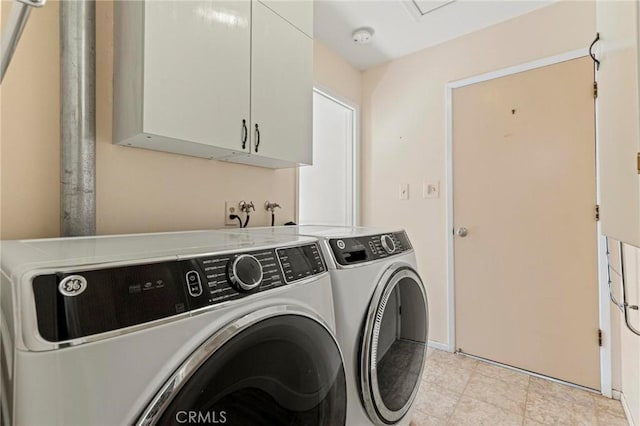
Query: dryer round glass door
{"type": "Point", "coordinates": [280, 370]}
{"type": "Point", "coordinates": [394, 345]}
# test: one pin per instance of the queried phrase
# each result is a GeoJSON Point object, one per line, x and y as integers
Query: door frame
{"type": "Point", "coordinates": [355, 117]}
{"type": "Point", "coordinates": [603, 292]}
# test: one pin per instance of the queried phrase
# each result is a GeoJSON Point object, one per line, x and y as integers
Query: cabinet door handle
{"type": "Point", "coordinates": [245, 133]}
{"type": "Point", "coordinates": [257, 137]}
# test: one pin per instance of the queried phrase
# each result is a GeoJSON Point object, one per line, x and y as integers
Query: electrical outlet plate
{"type": "Point", "coordinates": [231, 207]}
{"type": "Point", "coordinates": [431, 189]}
{"type": "Point", "coordinates": [404, 191]}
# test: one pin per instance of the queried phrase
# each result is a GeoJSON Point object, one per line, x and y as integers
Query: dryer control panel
{"type": "Point", "coordinates": [352, 251]}
{"type": "Point", "coordinates": [84, 303]}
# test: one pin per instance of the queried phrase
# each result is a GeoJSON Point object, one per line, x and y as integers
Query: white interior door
{"type": "Point", "coordinates": [326, 190]}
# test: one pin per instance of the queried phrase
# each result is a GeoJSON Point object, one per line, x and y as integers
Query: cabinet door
{"type": "Point", "coordinates": [298, 12]}
{"type": "Point", "coordinates": [281, 88]}
{"type": "Point", "coordinates": [618, 120]}
{"type": "Point", "coordinates": [197, 71]}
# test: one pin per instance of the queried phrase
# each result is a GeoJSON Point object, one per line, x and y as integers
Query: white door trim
{"type": "Point", "coordinates": [606, 361]}
{"type": "Point", "coordinates": [355, 114]}
{"type": "Point", "coordinates": [604, 317]}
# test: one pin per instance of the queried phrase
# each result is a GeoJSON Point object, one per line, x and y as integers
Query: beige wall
{"type": "Point", "coordinates": [137, 190]}
{"type": "Point", "coordinates": [29, 134]}
{"type": "Point", "coordinates": [334, 73]}
{"type": "Point", "coordinates": [404, 126]}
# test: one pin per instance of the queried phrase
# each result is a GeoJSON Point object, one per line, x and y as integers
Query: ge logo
{"type": "Point", "coordinates": [73, 285]}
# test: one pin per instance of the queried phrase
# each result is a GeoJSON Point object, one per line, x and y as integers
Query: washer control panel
{"type": "Point", "coordinates": [233, 276]}
{"type": "Point", "coordinates": [237, 275]}
{"type": "Point", "coordinates": [351, 251]}
{"type": "Point", "coordinates": [89, 302]}
{"type": "Point", "coordinates": [245, 272]}
{"type": "Point", "coordinates": [301, 262]}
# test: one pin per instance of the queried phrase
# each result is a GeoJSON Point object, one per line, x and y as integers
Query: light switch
{"type": "Point", "coordinates": [431, 189]}
{"type": "Point", "coordinates": [404, 191]}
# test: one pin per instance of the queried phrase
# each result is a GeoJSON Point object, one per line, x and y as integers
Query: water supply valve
{"type": "Point", "coordinates": [269, 206]}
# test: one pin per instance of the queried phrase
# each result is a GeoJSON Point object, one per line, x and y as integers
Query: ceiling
{"type": "Point", "coordinates": [406, 26]}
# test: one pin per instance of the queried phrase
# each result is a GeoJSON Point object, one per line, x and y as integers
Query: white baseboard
{"type": "Point", "coordinates": [615, 394]}
{"type": "Point", "coordinates": [627, 410]}
{"type": "Point", "coordinates": [437, 345]}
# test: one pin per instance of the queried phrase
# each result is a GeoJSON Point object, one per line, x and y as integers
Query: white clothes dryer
{"type": "Point", "coordinates": [174, 328]}
{"type": "Point", "coordinates": [381, 313]}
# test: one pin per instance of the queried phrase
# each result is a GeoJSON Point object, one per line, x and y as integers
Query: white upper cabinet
{"type": "Point", "coordinates": [299, 13]}
{"type": "Point", "coordinates": [618, 118]}
{"type": "Point", "coordinates": [182, 74]}
{"type": "Point", "coordinates": [196, 70]}
{"type": "Point", "coordinates": [189, 75]}
{"type": "Point", "coordinates": [281, 92]}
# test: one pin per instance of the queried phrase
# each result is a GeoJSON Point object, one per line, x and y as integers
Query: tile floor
{"type": "Point", "coordinates": [458, 390]}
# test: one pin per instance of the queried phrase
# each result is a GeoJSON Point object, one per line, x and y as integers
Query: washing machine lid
{"type": "Point", "coordinates": [18, 256]}
{"type": "Point", "coordinates": [279, 365]}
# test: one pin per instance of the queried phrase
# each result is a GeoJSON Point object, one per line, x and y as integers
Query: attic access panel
{"type": "Point", "coordinates": [423, 7]}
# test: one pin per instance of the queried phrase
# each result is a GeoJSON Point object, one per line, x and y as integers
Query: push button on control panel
{"type": "Point", "coordinates": [193, 283]}
{"type": "Point", "coordinates": [373, 247]}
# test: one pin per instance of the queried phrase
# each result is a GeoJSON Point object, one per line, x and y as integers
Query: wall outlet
{"type": "Point", "coordinates": [231, 207]}
{"type": "Point", "coordinates": [404, 191]}
{"type": "Point", "coordinates": [431, 189]}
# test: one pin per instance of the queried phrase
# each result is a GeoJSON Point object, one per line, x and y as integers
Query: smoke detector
{"type": "Point", "coordinates": [363, 35]}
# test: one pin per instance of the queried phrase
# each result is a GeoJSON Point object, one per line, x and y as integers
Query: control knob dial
{"type": "Point", "coordinates": [388, 244]}
{"type": "Point", "coordinates": [245, 272]}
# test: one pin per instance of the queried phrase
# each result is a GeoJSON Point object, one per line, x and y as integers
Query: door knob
{"type": "Point", "coordinates": [462, 232]}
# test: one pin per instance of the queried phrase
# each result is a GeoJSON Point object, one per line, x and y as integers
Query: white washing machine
{"type": "Point", "coordinates": [381, 317]}
{"type": "Point", "coordinates": [176, 328]}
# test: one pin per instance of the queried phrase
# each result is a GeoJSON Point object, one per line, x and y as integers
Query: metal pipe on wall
{"type": "Point", "coordinates": [77, 117]}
